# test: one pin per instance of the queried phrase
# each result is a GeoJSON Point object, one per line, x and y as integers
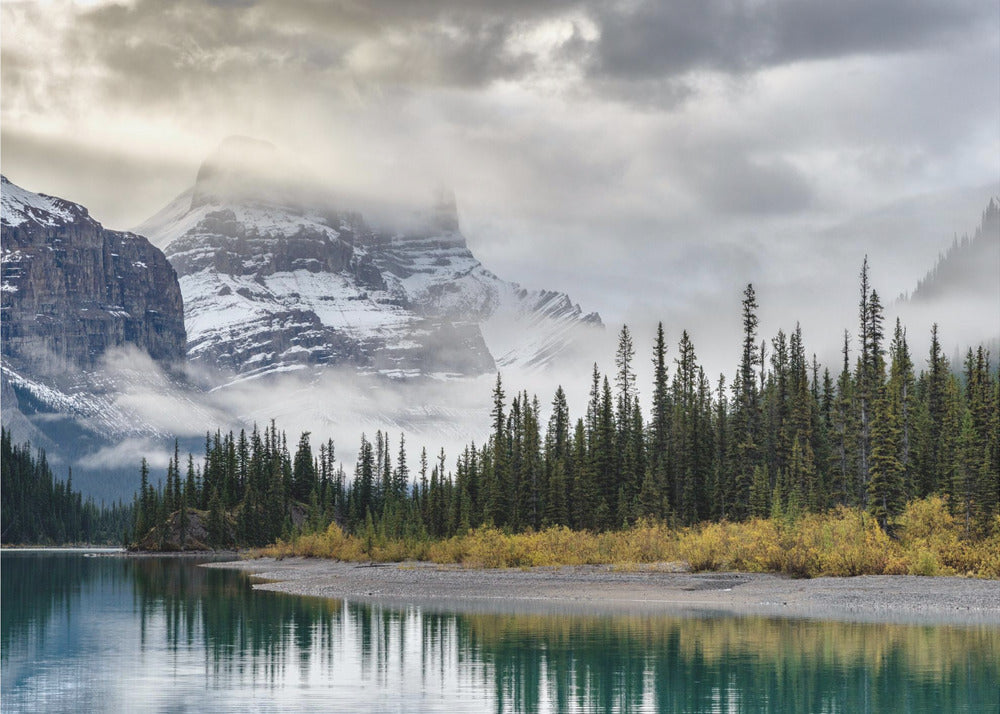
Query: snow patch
{"type": "Point", "coordinates": [20, 206]}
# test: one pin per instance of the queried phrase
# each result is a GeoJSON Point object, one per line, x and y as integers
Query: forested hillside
{"type": "Point", "coordinates": [970, 267]}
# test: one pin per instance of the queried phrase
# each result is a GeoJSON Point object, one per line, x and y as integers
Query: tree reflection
{"type": "Point", "coordinates": [518, 662]}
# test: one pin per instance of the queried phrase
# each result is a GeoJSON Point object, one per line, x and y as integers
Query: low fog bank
{"type": "Point", "coordinates": [339, 404]}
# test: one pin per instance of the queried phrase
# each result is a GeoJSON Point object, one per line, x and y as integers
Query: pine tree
{"type": "Point", "coordinates": [746, 414]}
{"type": "Point", "coordinates": [901, 392]}
{"type": "Point", "coordinates": [886, 497]}
{"type": "Point", "coordinates": [933, 461]}
{"type": "Point", "coordinates": [303, 470]}
{"type": "Point", "coordinates": [760, 493]}
{"type": "Point", "coordinates": [603, 457]}
{"type": "Point", "coordinates": [657, 491]}
{"type": "Point", "coordinates": [628, 479]}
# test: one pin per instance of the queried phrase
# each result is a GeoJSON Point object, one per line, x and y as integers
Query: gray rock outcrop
{"type": "Point", "coordinates": [71, 289]}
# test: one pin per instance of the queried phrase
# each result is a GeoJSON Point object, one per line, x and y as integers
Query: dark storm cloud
{"type": "Point", "coordinates": [594, 136]}
{"type": "Point", "coordinates": [654, 38]}
{"type": "Point", "coordinates": [158, 52]}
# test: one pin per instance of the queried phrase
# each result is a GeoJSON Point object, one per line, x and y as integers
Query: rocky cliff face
{"type": "Point", "coordinates": [73, 294]}
{"type": "Point", "coordinates": [71, 290]}
{"type": "Point", "coordinates": [273, 282]}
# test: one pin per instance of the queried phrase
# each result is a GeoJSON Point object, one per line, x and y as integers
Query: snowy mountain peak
{"type": "Point", "coordinates": [20, 206]}
{"type": "Point", "coordinates": [276, 279]}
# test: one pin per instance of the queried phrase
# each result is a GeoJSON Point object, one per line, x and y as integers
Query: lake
{"type": "Point", "coordinates": [108, 633]}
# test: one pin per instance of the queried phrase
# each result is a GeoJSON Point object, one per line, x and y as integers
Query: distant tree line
{"type": "Point", "coordinates": [786, 436]}
{"type": "Point", "coordinates": [249, 489]}
{"type": "Point", "coordinates": [35, 508]}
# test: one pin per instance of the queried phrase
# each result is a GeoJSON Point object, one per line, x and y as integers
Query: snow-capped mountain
{"type": "Point", "coordinates": [74, 295]}
{"type": "Point", "coordinates": [293, 308]}
{"type": "Point", "coordinates": [72, 290]}
{"type": "Point", "coordinates": [274, 282]}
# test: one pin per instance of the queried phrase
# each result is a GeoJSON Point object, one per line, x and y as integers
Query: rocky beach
{"type": "Point", "coordinates": [661, 588]}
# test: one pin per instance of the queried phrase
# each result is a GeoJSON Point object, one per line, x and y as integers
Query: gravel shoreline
{"type": "Point", "coordinates": [650, 589]}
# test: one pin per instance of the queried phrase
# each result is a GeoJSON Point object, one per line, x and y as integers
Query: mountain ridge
{"type": "Point", "coordinates": [970, 266]}
{"type": "Point", "coordinates": [277, 280]}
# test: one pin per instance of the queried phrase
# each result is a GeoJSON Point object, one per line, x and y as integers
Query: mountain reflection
{"type": "Point", "coordinates": [508, 662]}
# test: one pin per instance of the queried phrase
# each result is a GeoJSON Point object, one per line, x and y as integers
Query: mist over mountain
{"type": "Point", "coordinates": [75, 295]}
{"type": "Point", "coordinates": [278, 277]}
{"type": "Point", "coordinates": [970, 268]}
{"type": "Point", "coordinates": [293, 307]}
{"type": "Point", "coordinates": [961, 292]}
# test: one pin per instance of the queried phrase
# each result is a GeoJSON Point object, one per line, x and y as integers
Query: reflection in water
{"type": "Point", "coordinates": [158, 633]}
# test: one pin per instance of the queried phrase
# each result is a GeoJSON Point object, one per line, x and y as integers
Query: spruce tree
{"type": "Point", "coordinates": [497, 498]}
{"type": "Point", "coordinates": [864, 383]}
{"type": "Point", "coordinates": [583, 507]}
{"type": "Point", "coordinates": [843, 489]}
{"type": "Point", "coordinates": [886, 496]}
{"type": "Point", "coordinates": [658, 490]}
{"type": "Point", "coordinates": [628, 479]}
{"type": "Point", "coordinates": [303, 470]}
{"type": "Point", "coordinates": [557, 454]}
{"type": "Point", "coordinates": [685, 423]}
{"type": "Point", "coordinates": [933, 461]}
{"type": "Point", "coordinates": [143, 515]}
{"type": "Point", "coordinates": [603, 457]}
{"type": "Point", "coordinates": [901, 392]}
{"type": "Point", "coordinates": [760, 493]}
{"type": "Point", "coordinates": [746, 414]}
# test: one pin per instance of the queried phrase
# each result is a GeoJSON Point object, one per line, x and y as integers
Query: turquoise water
{"type": "Point", "coordinates": [118, 634]}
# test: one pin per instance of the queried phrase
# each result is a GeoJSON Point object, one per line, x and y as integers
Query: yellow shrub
{"type": "Point", "coordinates": [852, 544]}
{"type": "Point", "coordinates": [841, 542]}
{"type": "Point", "coordinates": [924, 562]}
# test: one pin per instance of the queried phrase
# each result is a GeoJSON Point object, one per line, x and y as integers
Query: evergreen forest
{"type": "Point", "coordinates": [785, 436]}
{"type": "Point", "coordinates": [37, 509]}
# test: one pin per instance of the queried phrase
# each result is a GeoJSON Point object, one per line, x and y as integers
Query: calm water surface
{"type": "Point", "coordinates": [116, 634]}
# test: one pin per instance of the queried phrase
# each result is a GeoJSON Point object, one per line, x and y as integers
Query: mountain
{"type": "Point", "coordinates": [71, 289]}
{"type": "Point", "coordinates": [72, 294]}
{"type": "Point", "coordinates": [270, 300]}
{"type": "Point", "coordinates": [276, 278]}
{"type": "Point", "coordinates": [970, 268]}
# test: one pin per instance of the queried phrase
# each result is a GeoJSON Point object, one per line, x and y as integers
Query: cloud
{"type": "Point", "coordinates": [126, 455]}
{"type": "Point", "coordinates": [649, 38]}
{"type": "Point", "coordinates": [673, 148]}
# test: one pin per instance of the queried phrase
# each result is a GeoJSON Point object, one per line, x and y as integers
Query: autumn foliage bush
{"type": "Point", "coordinates": [841, 542]}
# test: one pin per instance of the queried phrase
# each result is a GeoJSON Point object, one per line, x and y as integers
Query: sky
{"type": "Point", "coordinates": [649, 157]}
